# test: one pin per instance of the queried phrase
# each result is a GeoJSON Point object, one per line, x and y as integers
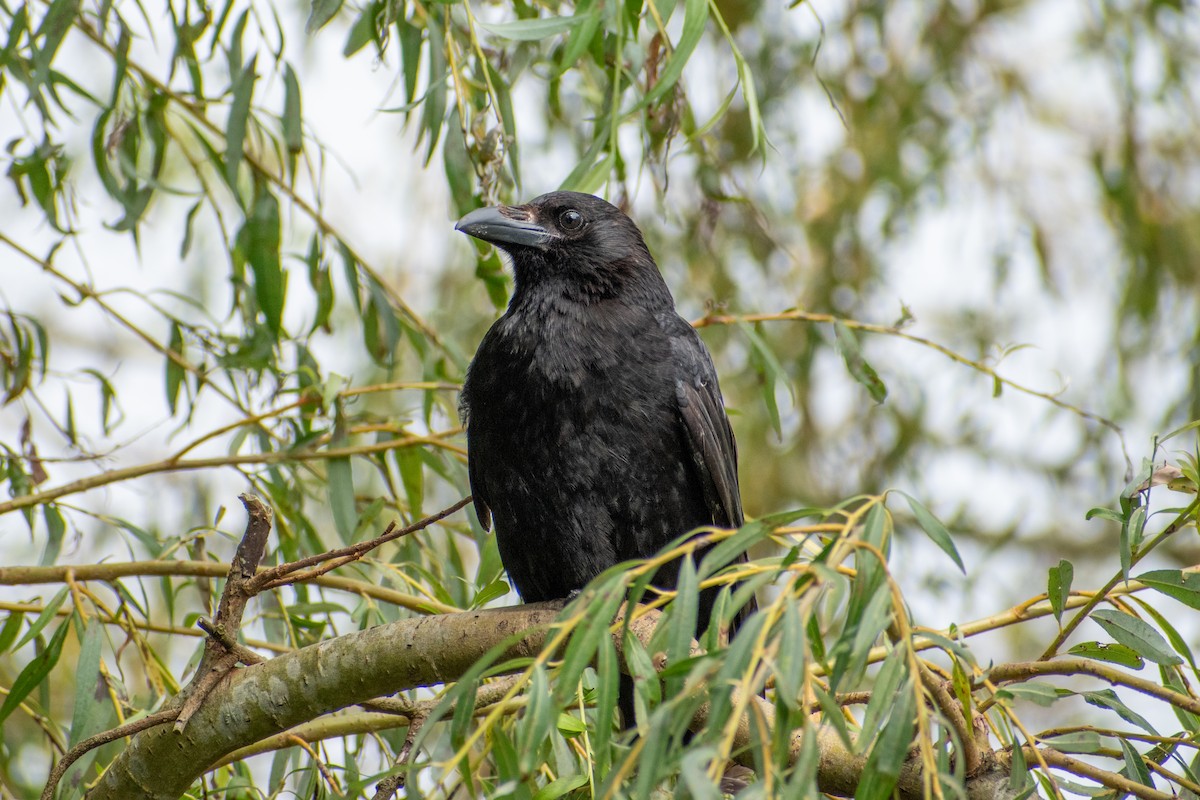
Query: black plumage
{"type": "Point", "coordinates": [596, 432]}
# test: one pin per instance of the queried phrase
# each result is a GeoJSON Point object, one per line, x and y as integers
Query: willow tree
{"type": "Point", "coordinates": [972, 557]}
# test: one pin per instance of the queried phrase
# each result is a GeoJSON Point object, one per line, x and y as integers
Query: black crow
{"type": "Point", "coordinates": [596, 432]}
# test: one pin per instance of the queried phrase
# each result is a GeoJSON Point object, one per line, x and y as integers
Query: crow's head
{"type": "Point", "coordinates": [578, 242]}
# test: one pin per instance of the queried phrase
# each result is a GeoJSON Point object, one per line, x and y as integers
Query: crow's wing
{"type": "Point", "coordinates": [482, 511]}
{"type": "Point", "coordinates": [708, 434]}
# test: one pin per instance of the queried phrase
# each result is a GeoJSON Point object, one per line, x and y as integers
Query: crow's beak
{"type": "Point", "coordinates": [495, 226]}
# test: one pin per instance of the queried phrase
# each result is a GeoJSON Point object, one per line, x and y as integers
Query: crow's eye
{"type": "Point", "coordinates": [570, 220]}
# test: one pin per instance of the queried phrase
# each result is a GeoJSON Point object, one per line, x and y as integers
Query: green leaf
{"type": "Point", "coordinates": [322, 12]}
{"type": "Point", "coordinates": [12, 627]}
{"type": "Point", "coordinates": [174, 371]}
{"type": "Point", "coordinates": [1183, 586]}
{"type": "Point", "coordinates": [361, 32]}
{"type": "Point", "coordinates": [1135, 767]}
{"type": "Point", "coordinates": [43, 619]}
{"type": "Point", "coordinates": [767, 365]}
{"type": "Point", "coordinates": [1107, 698]}
{"type": "Point", "coordinates": [90, 687]}
{"type": "Point", "coordinates": [261, 240]}
{"type": "Point", "coordinates": [537, 720]}
{"type": "Point", "coordinates": [1136, 634]}
{"type": "Point", "coordinates": [847, 346]}
{"type": "Point", "coordinates": [339, 477]}
{"type": "Point", "coordinates": [935, 530]}
{"type": "Point", "coordinates": [1039, 692]}
{"type": "Point", "coordinates": [695, 17]}
{"type": "Point", "coordinates": [561, 786]}
{"type": "Point", "coordinates": [292, 120]}
{"type": "Point", "coordinates": [569, 725]}
{"type": "Point", "coordinates": [1077, 742]}
{"type": "Point", "coordinates": [1105, 513]}
{"type": "Point", "coordinates": [531, 30]}
{"type": "Point", "coordinates": [56, 528]}
{"type": "Point", "coordinates": [1112, 653]}
{"type": "Point", "coordinates": [883, 693]}
{"type": "Point", "coordinates": [890, 749]}
{"type": "Point", "coordinates": [1058, 587]}
{"type": "Point", "coordinates": [35, 672]}
{"type": "Point", "coordinates": [412, 474]}
{"type": "Point", "coordinates": [235, 126]}
{"type": "Point", "coordinates": [602, 599]}
{"type": "Point", "coordinates": [1177, 641]}
{"type": "Point", "coordinates": [1131, 538]}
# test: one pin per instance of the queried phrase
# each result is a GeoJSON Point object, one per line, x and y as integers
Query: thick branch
{"type": "Point", "coordinates": [268, 698]}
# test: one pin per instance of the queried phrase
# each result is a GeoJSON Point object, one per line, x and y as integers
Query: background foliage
{"type": "Point", "coordinates": [205, 296]}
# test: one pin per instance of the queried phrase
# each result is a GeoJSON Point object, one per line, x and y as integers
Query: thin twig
{"type": "Point", "coordinates": [285, 573]}
{"type": "Point", "coordinates": [99, 740]}
{"type": "Point", "coordinates": [1008, 673]}
{"type": "Point", "coordinates": [1184, 517]}
{"type": "Point", "coordinates": [979, 366]}
{"type": "Point", "coordinates": [237, 459]}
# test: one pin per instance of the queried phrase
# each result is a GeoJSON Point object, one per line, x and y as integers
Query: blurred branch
{"type": "Point", "coordinates": [181, 465]}
{"type": "Point", "coordinates": [979, 366]}
{"type": "Point", "coordinates": [113, 571]}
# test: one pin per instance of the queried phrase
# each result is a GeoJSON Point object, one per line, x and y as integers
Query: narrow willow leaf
{"type": "Point", "coordinates": [1078, 742]}
{"type": "Point", "coordinates": [935, 530]}
{"type": "Point", "coordinates": [293, 134]}
{"type": "Point", "coordinates": [90, 710]}
{"type": "Point", "coordinates": [1173, 636]}
{"type": "Point", "coordinates": [12, 627]}
{"type": "Point", "coordinates": [1018, 776]}
{"type": "Point", "coordinates": [1104, 513]}
{"type": "Point", "coordinates": [433, 110]}
{"type": "Point", "coordinates": [262, 241]}
{"type": "Point", "coordinates": [1112, 653]}
{"type": "Point", "coordinates": [339, 478]}
{"type": "Point", "coordinates": [410, 56]}
{"type": "Point", "coordinates": [1107, 698]}
{"type": "Point", "coordinates": [1039, 692]}
{"type": "Point", "coordinates": [322, 12]}
{"type": "Point", "coordinates": [174, 370]}
{"type": "Point", "coordinates": [1183, 586]}
{"type": "Point", "coordinates": [887, 683]}
{"type": "Point", "coordinates": [531, 30]}
{"type": "Point", "coordinates": [43, 619]}
{"type": "Point", "coordinates": [560, 787]}
{"type": "Point", "coordinates": [362, 32]}
{"type": "Point", "coordinates": [590, 635]}
{"type": "Point", "coordinates": [1058, 587]}
{"type": "Point", "coordinates": [1136, 634]}
{"type": "Point", "coordinates": [847, 346]}
{"type": "Point", "coordinates": [589, 12]}
{"type": "Point", "coordinates": [890, 749]}
{"type": "Point", "coordinates": [684, 612]}
{"type": "Point", "coordinates": [56, 528]}
{"type": "Point", "coordinates": [235, 126]}
{"type": "Point", "coordinates": [1131, 538]}
{"type": "Point", "coordinates": [412, 474]}
{"type": "Point", "coordinates": [1135, 767]}
{"type": "Point", "coordinates": [695, 17]}
{"type": "Point", "coordinates": [536, 722]}
{"type": "Point", "coordinates": [767, 365]}
{"type": "Point", "coordinates": [35, 671]}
